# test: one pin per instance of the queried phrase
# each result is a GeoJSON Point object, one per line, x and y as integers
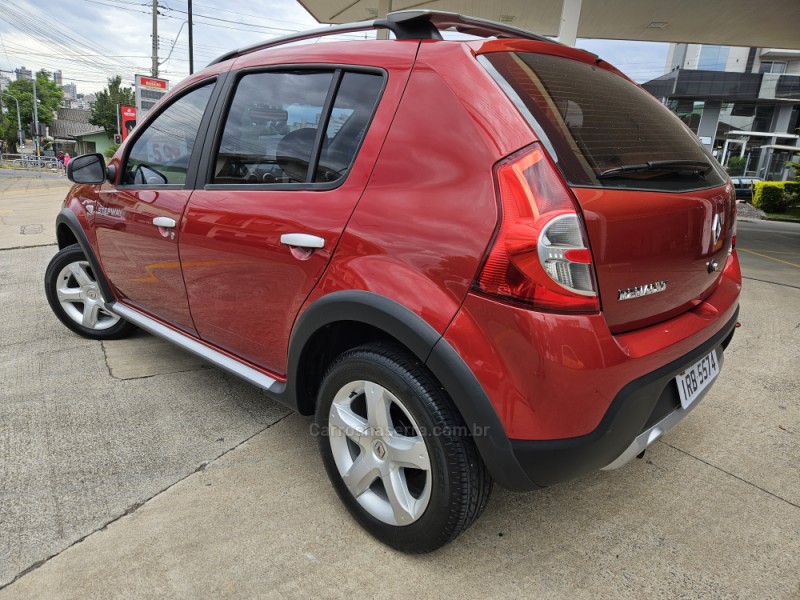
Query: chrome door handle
{"type": "Point", "coordinates": [302, 240]}
{"type": "Point", "coordinates": [163, 222]}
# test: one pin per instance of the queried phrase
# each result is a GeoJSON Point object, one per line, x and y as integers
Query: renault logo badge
{"type": "Point", "coordinates": [716, 228]}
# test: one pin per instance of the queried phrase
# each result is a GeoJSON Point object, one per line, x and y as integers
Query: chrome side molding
{"type": "Point", "coordinates": [218, 359]}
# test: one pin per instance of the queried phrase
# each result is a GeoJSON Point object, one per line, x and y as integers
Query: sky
{"type": "Point", "coordinates": [92, 40]}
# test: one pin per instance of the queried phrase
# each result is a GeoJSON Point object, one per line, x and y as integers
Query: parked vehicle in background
{"type": "Point", "coordinates": [744, 187]}
{"type": "Point", "coordinates": [480, 261]}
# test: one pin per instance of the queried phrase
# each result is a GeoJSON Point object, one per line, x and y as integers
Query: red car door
{"type": "Point", "coordinates": [256, 240]}
{"type": "Point", "coordinates": [137, 222]}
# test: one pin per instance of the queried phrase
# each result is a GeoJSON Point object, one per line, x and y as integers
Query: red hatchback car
{"type": "Point", "coordinates": [473, 261]}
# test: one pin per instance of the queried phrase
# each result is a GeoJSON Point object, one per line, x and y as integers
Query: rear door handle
{"type": "Point", "coordinates": [302, 240]}
{"type": "Point", "coordinates": [163, 222]}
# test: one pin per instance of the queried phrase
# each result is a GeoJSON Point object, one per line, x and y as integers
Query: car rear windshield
{"type": "Point", "coordinates": [602, 130]}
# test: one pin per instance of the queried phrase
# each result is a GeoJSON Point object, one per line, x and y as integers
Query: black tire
{"type": "Point", "coordinates": [447, 497]}
{"type": "Point", "coordinates": [101, 324]}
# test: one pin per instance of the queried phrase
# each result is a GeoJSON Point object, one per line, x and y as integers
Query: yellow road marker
{"type": "Point", "coordinates": [785, 262]}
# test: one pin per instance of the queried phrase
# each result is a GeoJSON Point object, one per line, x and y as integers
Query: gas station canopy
{"type": "Point", "coordinates": [765, 24]}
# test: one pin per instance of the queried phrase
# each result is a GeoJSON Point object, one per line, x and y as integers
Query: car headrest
{"type": "Point", "coordinates": [294, 152]}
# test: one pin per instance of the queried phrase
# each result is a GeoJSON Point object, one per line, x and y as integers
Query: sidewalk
{"type": "Point", "coordinates": [28, 208]}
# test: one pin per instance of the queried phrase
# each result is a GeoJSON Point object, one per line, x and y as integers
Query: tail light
{"type": "Point", "coordinates": [540, 256]}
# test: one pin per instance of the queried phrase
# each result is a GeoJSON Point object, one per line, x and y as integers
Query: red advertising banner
{"type": "Point", "coordinates": [151, 82]}
{"type": "Point", "coordinates": [128, 120]}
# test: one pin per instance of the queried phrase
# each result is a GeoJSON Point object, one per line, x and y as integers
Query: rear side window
{"type": "Point", "coordinates": [602, 130]}
{"type": "Point", "coordinates": [295, 127]}
{"type": "Point", "coordinates": [352, 110]}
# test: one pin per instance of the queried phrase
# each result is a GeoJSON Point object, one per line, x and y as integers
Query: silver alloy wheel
{"type": "Point", "coordinates": [379, 453]}
{"type": "Point", "coordinates": [80, 298]}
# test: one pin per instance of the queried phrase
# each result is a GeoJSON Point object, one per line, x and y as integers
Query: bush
{"type": "Point", "coordinates": [792, 190]}
{"type": "Point", "coordinates": [770, 196]}
{"type": "Point", "coordinates": [111, 150]}
{"type": "Point", "coordinates": [736, 165]}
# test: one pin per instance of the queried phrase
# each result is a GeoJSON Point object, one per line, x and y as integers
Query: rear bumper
{"type": "Point", "coordinates": [564, 396]}
{"type": "Point", "coordinates": [642, 411]}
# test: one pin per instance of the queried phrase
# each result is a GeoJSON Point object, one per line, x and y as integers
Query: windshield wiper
{"type": "Point", "coordinates": [695, 167]}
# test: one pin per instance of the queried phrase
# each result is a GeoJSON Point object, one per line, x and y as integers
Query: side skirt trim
{"type": "Point", "coordinates": [223, 361]}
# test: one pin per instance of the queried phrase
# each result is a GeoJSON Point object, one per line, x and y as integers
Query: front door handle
{"type": "Point", "coordinates": [302, 240]}
{"type": "Point", "coordinates": [163, 222]}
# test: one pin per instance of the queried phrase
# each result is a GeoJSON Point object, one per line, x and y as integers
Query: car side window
{"type": "Point", "coordinates": [160, 155]}
{"type": "Point", "coordinates": [272, 127]}
{"type": "Point", "coordinates": [352, 110]}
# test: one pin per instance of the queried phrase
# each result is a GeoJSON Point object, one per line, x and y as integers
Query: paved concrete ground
{"type": "Point", "coordinates": [130, 470]}
{"type": "Point", "coordinates": [28, 206]}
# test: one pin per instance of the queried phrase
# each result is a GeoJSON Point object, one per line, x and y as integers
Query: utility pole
{"type": "Point", "coordinates": [154, 68]}
{"type": "Point", "coordinates": [118, 130]}
{"type": "Point", "coordinates": [35, 118]}
{"type": "Point", "coordinates": [191, 41]}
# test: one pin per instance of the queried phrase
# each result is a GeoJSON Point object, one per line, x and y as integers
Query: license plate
{"type": "Point", "coordinates": [696, 378]}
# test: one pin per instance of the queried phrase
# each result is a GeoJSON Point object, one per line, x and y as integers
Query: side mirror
{"type": "Point", "coordinates": [88, 168]}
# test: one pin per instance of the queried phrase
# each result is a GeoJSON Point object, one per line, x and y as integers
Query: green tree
{"type": "Point", "coordinates": [104, 111]}
{"type": "Point", "coordinates": [8, 132]}
{"type": "Point", "coordinates": [49, 94]}
{"type": "Point", "coordinates": [796, 166]}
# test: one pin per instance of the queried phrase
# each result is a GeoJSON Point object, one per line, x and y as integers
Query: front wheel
{"type": "Point", "coordinates": [71, 288]}
{"type": "Point", "coordinates": [396, 450]}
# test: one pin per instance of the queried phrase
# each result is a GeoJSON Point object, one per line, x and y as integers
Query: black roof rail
{"type": "Point", "coordinates": [470, 25]}
{"type": "Point", "coordinates": [405, 25]}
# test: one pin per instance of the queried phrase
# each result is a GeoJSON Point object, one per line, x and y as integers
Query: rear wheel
{"type": "Point", "coordinates": [396, 450]}
{"type": "Point", "coordinates": [74, 296]}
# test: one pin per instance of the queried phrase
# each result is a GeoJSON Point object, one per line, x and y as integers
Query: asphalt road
{"type": "Point", "coordinates": [770, 251]}
{"type": "Point", "coordinates": [131, 470]}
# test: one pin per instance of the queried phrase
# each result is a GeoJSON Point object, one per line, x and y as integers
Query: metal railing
{"type": "Point", "coordinates": [28, 163]}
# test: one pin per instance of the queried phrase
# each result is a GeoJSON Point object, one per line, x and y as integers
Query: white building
{"type": "Point", "coordinates": [737, 100]}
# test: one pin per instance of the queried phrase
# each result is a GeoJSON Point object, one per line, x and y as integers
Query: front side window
{"type": "Point", "coordinates": [160, 155]}
{"type": "Point", "coordinates": [272, 131]}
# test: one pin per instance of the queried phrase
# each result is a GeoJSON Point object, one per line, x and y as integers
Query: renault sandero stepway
{"type": "Point", "coordinates": [474, 261]}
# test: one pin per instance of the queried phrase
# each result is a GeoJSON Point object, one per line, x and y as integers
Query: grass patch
{"type": "Point", "coordinates": [792, 215]}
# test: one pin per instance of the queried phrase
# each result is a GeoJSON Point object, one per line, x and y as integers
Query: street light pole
{"type": "Point", "coordinates": [19, 120]}
{"type": "Point", "coordinates": [35, 117]}
{"type": "Point", "coordinates": [191, 41]}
